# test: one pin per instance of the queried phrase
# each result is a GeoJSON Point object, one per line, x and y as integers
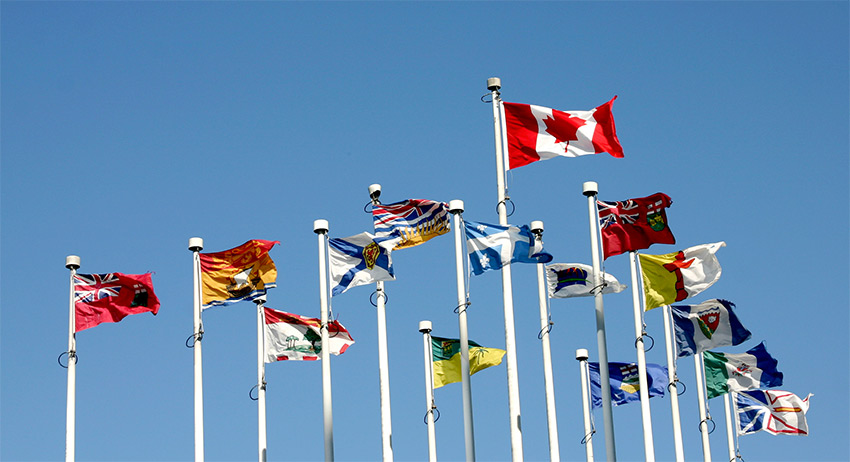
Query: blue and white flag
{"type": "Point", "coordinates": [725, 372]}
{"type": "Point", "coordinates": [360, 259]}
{"type": "Point", "coordinates": [774, 411]}
{"type": "Point", "coordinates": [415, 220]}
{"type": "Point", "coordinates": [711, 324]}
{"type": "Point", "coordinates": [493, 246]}
{"type": "Point", "coordinates": [625, 382]}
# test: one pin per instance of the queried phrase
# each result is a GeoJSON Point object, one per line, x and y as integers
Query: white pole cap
{"type": "Point", "coordinates": [320, 226]}
{"type": "Point", "coordinates": [72, 262]}
{"type": "Point", "coordinates": [424, 326]}
{"type": "Point", "coordinates": [374, 191]}
{"type": "Point", "coordinates": [581, 354]}
{"type": "Point", "coordinates": [536, 227]}
{"type": "Point", "coordinates": [196, 244]}
{"type": "Point", "coordinates": [494, 83]}
{"type": "Point", "coordinates": [589, 188]}
{"type": "Point", "coordinates": [456, 206]}
{"type": "Point", "coordinates": [261, 299]}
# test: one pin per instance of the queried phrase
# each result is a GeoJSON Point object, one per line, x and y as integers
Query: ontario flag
{"type": "Point", "coordinates": [634, 224]}
{"type": "Point", "coordinates": [111, 297]}
{"type": "Point", "coordinates": [539, 133]}
{"type": "Point", "coordinates": [241, 273]}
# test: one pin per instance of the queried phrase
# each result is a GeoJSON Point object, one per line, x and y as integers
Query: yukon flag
{"type": "Point", "coordinates": [576, 280]}
{"type": "Point", "coordinates": [674, 277]}
{"type": "Point", "coordinates": [241, 273]}
{"type": "Point", "coordinates": [725, 372]}
{"type": "Point", "coordinates": [539, 133]}
{"type": "Point", "coordinates": [292, 337]}
{"type": "Point", "coordinates": [774, 411]}
{"type": "Point", "coordinates": [711, 324]}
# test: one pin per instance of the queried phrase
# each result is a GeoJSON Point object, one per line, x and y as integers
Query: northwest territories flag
{"type": "Point", "coordinates": [774, 411]}
{"type": "Point", "coordinates": [241, 273]}
{"type": "Point", "coordinates": [706, 326]}
{"type": "Point", "coordinates": [415, 220]}
{"type": "Point", "coordinates": [491, 247]}
{"type": "Point", "coordinates": [673, 277]}
{"type": "Point", "coordinates": [625, 382]}
{"type": "Point", "coordinates": [292, 337]}
{"type": "Point", "coordinates": [725, 372]}
{"type": "Point", "coordinates": [446, 357]}
{"type": "Point", "coordinates": [360, 259]}
{"type": "Point", "coordinates": [576, 280]}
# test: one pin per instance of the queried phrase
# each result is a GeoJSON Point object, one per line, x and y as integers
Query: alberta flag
{"type": "Point", "coordinates": [706, 326]}
{"type": "Point", "coordinates": [576, 280]}
{"type": "Point", "coordinates": [725, 372]}
{"type": "Point", "coordinates": [493, 246]}
{"type": "Point", "coordinates": [625, 382]}
{"type": "Point", "coordinates": [360, 259]}
{"type": "Point", "coordinates": [774, 411]}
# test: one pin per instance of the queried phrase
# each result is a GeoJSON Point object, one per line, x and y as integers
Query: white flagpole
{"type": "Point", "coordinates": [581, 356]}
{"type": "Point", "coordinates": [730, 438]}
{"type": "Point", "coordinates": [261, 378]}
{"type": "Point", "coordinates": [590, 189]}
{"type": "Point", "coordinates": [72, 262]}
{"type": "Point", "coordinates": [703, 423]}
{"type": "Point", "coordinates": [425, 328]}
{"type": "Point", "coordinates": [456, 209]}
{"type": "Point", "coordinates": [320, 227]}
{"type": "Point", "coordinates": [196, 244]}
{"type": "Point", "coordinates": [548, 380]}
{"type": "Point", "coordinates": [494, 84]}
{"type": "Point", "coordinates": [648, 445]}
{"type": "Point", "coordinates": [383, 356]}
{"type": "Point", "coordinates": [673, 380]}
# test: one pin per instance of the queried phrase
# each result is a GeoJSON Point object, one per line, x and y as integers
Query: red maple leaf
{"type": "Point", "coordinates": [563, 126]}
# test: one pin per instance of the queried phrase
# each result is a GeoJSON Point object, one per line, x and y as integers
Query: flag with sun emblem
{"type": "Point", "coordinates": [711, 324]}
{"type": "Point", "coordinates": [241, 273]}
{"type": "Point", "coordinates": [625, 382]}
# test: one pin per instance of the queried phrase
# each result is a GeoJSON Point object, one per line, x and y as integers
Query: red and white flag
{"type": "Point", "coordinates": [111, 297]}
{"type": "Point", "coordinates": [292, 337]}
{"type": "Point", "coordinates": [540, 133]}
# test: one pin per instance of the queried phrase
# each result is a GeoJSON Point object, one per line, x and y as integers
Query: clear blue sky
{"type": "Point", "coordinates": [129, 127]}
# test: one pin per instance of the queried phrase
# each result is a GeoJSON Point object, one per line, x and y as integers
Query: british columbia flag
{"type": "Point", "coordinates": [415, 220]}
{"type": "Point", "coordinates": [93, 287]}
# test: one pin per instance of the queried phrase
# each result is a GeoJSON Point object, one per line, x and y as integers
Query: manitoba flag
{"type": "Point", "coordinates": [111, 297]}
{"type": "Point", "coordinates": [538, 133]}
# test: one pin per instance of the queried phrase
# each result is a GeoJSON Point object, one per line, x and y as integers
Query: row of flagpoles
{"type": "Point", "coordinates": [522, 134]}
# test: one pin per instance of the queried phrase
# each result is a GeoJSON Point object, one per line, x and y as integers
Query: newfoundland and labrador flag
{"type": "Point", "coordinates": [292, 337]}
{"type": "Point", "coordinates": [241, 273]}
{"type": "Point", "coordinates": [360, 259]}
{"type": "Point", "coordinates": [711, 324]}
{"type": "Point", "coordinates": [625, 382]}
{"type": "Point", "coordinates": [725, 372]}
{"type": "Point", "coordinates": [415, 220]}
{"type": "Point", "coordinates": [111, 297]}
{"type": "Point", "coordinates": [491, 247]}
{"type": "Point", "coordinates": [446, 357]}
{"type": "Point", "coordinates": [576, 280]}
{"type": "Point", "coordinates": [538, 133]}
{"type": "Point", "coordinates": [673, 277]}
{"type": "Point", "coordinates": [634, 224]}
{"type": "Point", "coordinates": [774, 411]}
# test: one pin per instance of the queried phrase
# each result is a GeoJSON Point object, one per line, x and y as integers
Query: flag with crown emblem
{"type": "Point", "coordinates": [111, 297]}
{"type": "Point", "coordinates": [625, 382]}
{"type": "Point", "coordinates": [241, 273]}
{"type": "Point", "coordinates": [415, 220]}
{"type": "Point", "coordinates": [708, 325]}
{"type": "Point", "coordinates": [565, 280]}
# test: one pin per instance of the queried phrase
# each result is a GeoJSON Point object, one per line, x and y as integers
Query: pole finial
{"type": "Point", "coordinates": [589, 188]}
{"type": "Point", "coordinates": [196, 244]}
{"type": "Point", "coordinates": [581, 354]}
{"type": "Point", "coordinates": [320, 226]}
{"type": "Point", "coordinates": [374, 192]}
{"type": "Point", "coordinates": [536, 227]}
{"type": "Point", "coordinates": [494, 83]}
{"type": "Point", "coordinates": [425, 326]}
{"type": "Point", "coordinates": [456, 206]}
{"type": "Point", "coordinates": [72, 262]}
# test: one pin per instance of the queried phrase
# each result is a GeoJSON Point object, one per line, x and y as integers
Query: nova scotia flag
{"type": "Point", "coordinates": [491, 247]}
{"type": "Point", "coordinates": [360, 259]}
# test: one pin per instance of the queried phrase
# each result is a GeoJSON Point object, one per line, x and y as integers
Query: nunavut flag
{"type": "Point", "coordinates": [539, 133]}
{"type": "Point", "coordinates": [241, 273]}
{"type": "Point", "coordinates": [634, 224]}
{"type": "Point", "coordinates": [674, 277]}
{"type": "Point", "coordinates": [111, 297]}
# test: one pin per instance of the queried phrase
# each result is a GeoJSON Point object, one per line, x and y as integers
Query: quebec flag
{"type": "Point", "coordinates": [360, 259]}
{"type": "Point", "coordinates": [491, 247]}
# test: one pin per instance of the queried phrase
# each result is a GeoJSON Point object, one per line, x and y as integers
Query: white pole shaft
{"type": "Point", "coordinates": [466, 386]}
{"type": "Point", "coordinates": [507, 296]}
{"type": "Point", "coordinates": [71, 411]}
{"type": "Point", "coordinates": [703, 426]}
{"type": "Point", "coordinates": [199, 378]}
{"type": "Point", "coordinates": [261, 384]}
{"type": "Point", "coordinates": [730, 437]}
{"type": "Point", "coordinates": [548, 380]}
{"type": "Point", "coordinates": [602, 343]}
{"type": "Point", "coordinates": [327, 401]}
{"type": "Point", "coordinates": [383, 369]}
{"type": "Point", "coordinates": [673, 392]}
{"type": "Point", "coordinates": [646, 417]}
{"type": "Point", "coordinates": [585, 408]}
{"type": "Point", "coordinates": [429, 396]}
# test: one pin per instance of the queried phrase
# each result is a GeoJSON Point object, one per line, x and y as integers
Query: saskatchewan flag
{"type": "Point", "coordinates": [725, 372]}
{"type": "Point", "coordinates": [446, 356]}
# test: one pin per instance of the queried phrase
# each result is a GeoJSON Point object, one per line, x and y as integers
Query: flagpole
{"type": "Point", "coordinates": [494, 84]}
{"type": "Point", "coordinates": [320, 227]}
{"type": "Point", "coordinates": [703, 422]}
{"type": "Point", "coordinates": [673, 380]}
{"type": "Point", "coordinates": [456, 209]}
{"type": "Point", "coordinates": [581, 356]}
{"type": "Point", "coordinates": [383, 357]}
{"type": "Point", "coordinates": [261, 378]}
{"type": "Point", "coordinates": [196, 244]}
{"type": "Point", "coordinates": [548, 380]}
{"type": "Point", "coordinates": [730, 439]}
{"type": "Point", "coordinates": [590, 189]}
{"type": "Point", "coordinates": [648, 444]}
{"type": "Point", "coordinates": [425, 328]}
{"type": "Point", "coordinates": [72, 262]}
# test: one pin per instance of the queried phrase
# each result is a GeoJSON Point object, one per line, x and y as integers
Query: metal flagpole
{"type": "Point", "coordinates": [261, 378]}
{"type": "Point", "coordinates": [196, 244]}
{"type": "Point", "coordinates": [320, 227]}
{"type": "Point", "coordinates": [674, 394]}
{"type": "Point", "coordinates": [703, 421]}
{"type": "Point", "coordinates": [72, 262]}
{"type": "Point", "coordinates": [494, 84]}
{"type": "Point", "coordinates": [730, 438]}
{"type": "Point", "coordinates": [581, 356]}
{"type": "Point", "coordinates": [590, 189]}
{"type": "Point", "coordinates": [548, 381]}
{"type": "Point", "coordinates": [456, 209]}
{"type": "Point", "coordinates": [425, 328]}
{"type": "Point", "coordinates": [383, 357]}
{"type": "Point", "coordinates": [648, 445]}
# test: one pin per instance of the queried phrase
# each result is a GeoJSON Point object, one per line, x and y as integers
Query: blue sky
{"type": "Point", "coordinates": [129, 127]}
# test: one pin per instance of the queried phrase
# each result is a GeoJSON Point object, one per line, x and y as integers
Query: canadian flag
{"type": "Point", "coordinates": [539, 133]}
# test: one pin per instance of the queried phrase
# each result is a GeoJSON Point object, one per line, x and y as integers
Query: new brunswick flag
{"type": "Point", "coordinates": [446, 356]}
{"type": "Point", "coordinates": [674, 277]}
{"type": "Point", "coordinates": [241, 273]}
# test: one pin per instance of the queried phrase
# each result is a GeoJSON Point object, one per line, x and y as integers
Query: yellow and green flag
{"type": "Point", "coordinates": [241, 273]}
{"type": "Point", "coordinates": [446, 357]}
